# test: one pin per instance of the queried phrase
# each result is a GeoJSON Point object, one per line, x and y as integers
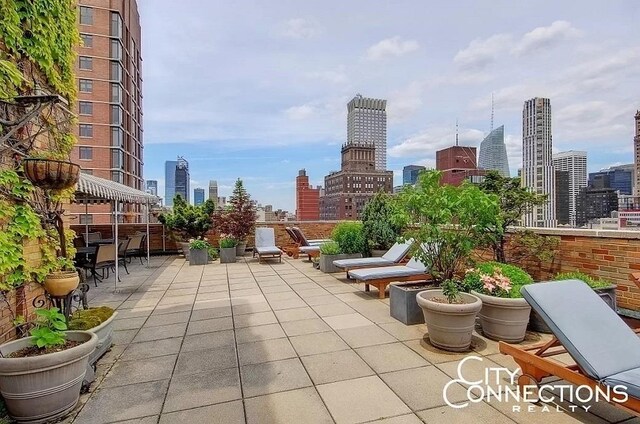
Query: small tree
{"type": "Point", "coordinates": [188, 221]}
{"type": "Point", "coordinates": [239, 218]}
{"type": "Point", "coordinates": [379, 230]}
{"type": "Point", "coordinates": [515, 201]}
{"type": "Point", "coordinates": [449, 222]}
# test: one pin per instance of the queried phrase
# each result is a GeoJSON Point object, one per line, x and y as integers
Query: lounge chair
{"type": "Point", "coordinates": [381, 277]}
{"type": "Point", "coordinates": [604, 348]}
{"type": "Point", "coordinates": [301, 244]}
{"type": "Point", "coordinates": [266, 245]}
{"type": "Point", "coordinates": [304, 241]}
{"type": "Point", "coordinates": [393, 256]}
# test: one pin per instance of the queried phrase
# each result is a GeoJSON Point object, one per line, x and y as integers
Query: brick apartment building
{"type": "Point", "coordinates": [348, 190]}
{"type": "Point", "coordinates": [109, 106]}
{"type": "Point", "coordinates": [457, 163]}
{"type": "Point", "coordinates": [307, 199]}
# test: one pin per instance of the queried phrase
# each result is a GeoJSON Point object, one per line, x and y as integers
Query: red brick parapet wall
{"type": "Point", "coordinates": [611, 255]}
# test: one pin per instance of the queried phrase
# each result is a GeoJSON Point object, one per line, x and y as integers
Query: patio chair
{"type": "Point", "coordinates": [381, 277]}
{"type": "Point", "coordinates": [123, 247]}
{"type": "Point", "coordinates": [104, 259]}
{"type": "Point", "coordinates": [266, 245]}
{"type": "Point", "coordinates": [301, 245]}
{"type": "Point", "coordinates": [604, 348]}
{"type": "Point", "coordinates": [135, 249]}
{"type": "Point", "coordinates": [96, 236]}
{"type": "Point", "coordinates": [307, 242]}
{"type": "Point", "coordinates": [393, 256]}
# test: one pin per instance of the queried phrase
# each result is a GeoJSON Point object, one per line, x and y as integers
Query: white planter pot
{"type": "Point", "coordinates": [503, 319]}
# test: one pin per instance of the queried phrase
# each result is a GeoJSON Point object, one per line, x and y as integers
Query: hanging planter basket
{"type": "Point", "coordinates": [51, 174]}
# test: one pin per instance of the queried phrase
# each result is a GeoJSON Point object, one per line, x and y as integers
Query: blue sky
{"type": "Point", "coordinates": [258, 90]}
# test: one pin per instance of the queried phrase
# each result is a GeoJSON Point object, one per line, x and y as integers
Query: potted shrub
{"type": "Point", "coordinates": [403, 303]}
{"type": "Point", "coordinates": [378, 228]}
{"type": "Point", "coordinates": [187, 221]}
{"type": "Point", "coordinates": [505, 314]}
{"type": "Point", "coordinates": [41, 375]}
{"type": "Point", "coordinates": [227, 250]}
{"type": "Point", "coordinates": [447, 223]}
{"type": "Point", "coordinates": [199, 252]}
{"type": "Point", "coordinates": [99, 321]}
{"type": "Point", "coordinates": [239, 218]}
{"type": "Point", "coordinates": [348, 243]}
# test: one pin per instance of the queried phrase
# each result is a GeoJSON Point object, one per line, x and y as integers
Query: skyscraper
{"type": "Point", "coordinates": [109, 106]}
{"type": "Point", "coordinates": [307, 198]}
{"type": "Point", "coordinates": [493, 153]}
{"type": "Point", "coordinates": [620, 178]}
{"type": "Point", "coordinates": [575, 162]}
{"type": "Point", "coordinates": [213, 192]}
{"type": "Point", "coordinates": [169, 181]}
{"type": "Point", "coordinates": [198, 196]}
{"type": "Point", "coordinates": [410, 173]}
{"type": "Point", "coordinates": [636, 145]}
{"type": "Point", "coordinates": [537, 161]}
{"type": "Point", "coordinates": [563, 214]}
{"type": "Point", "coordinates": [182, 178]}
{"type": "Point", "coordinates": [367, 123]}
{"type": "Point", "coordinates": [152, 187]}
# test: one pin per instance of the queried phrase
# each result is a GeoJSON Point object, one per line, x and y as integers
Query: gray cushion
{"type": "Point", "coordinates": [397, 251]}
{"type": "Point", "coordinates": [265, 237]}
{"type": "Point", "coordinates": [594, 335]}
{"type": "Point", "coordinates": [348, 263]}
{"type": "Point", "coordinates": [396, 271]}
{"type": "Point", "coordinates": [629, 379]}
{"type": "Point", "coordinates": [309, 249]}
{"type": "Point", "coordinates": [268, 250]}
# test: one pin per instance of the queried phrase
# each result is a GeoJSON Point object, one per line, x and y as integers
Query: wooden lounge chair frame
{"type": "Point", "coordinates": [535, 365]}
{"type": "Point", "coordinates": [267, 255]}
{"type": "Point", "coordinates": [293, 251]}
{"type": "Point", "coordinates": [382, 283]}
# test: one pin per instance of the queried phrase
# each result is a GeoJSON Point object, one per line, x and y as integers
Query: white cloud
{"type": "Point", "coordinates": [546, 37]}
{"type": "Point", "coordinates": [389, 47]}
{"type": "Point", "coordinates": [337, 76]}
{"type": "Point", "coordinates": [297, 113]}
{"type": "Point", "coordinates": [426, 143]}
{"type": "Point", "coordinates": [299, 28]}
{"type": "Point", "coordinates": [480, 53]}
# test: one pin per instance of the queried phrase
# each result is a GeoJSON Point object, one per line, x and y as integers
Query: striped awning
{"type": "Point", "coordinates": [94, 189]}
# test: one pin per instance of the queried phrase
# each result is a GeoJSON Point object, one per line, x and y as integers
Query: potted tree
{"type": "Point", "coordinates": [447, 223]}
{"type": "Point", "coordinates": [41, 375]}
{"type": "Point", "coordinates": [378, 228]}
{"type": "Point", "coordinates": [348, 242]}
{"type": "Point", "coordinates": [199, 252]}
{"type": "Point", "coordinates": [239, 218]}
{"type": "Point", "coordinates": [227, 250]}
{"type": "Point", "coordinates": [505, 314]}
{"type": "Point", "coordinates": [187, 222]}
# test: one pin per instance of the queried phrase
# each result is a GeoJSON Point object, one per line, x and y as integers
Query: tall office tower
{"type": "Point", "coordinates": [410, 174]}
{"type": "Point", "coordinates": [152, 187]}
{"type": "Point", "coordinates": [198, 196]}
{"type": "Point", "coordinates": [109, 106]}
{"type": "Point", "coordinates": [213, 192]}
{"type": "Point", "coordinates": [493, 153]}
{"type": "Point", "coordinates": [563, 214]}
{"type": "Point", "coordinates": [169, 181]}
{"type": "Point", "coordinates": [595, 203]}
{"type": "Point", "coordinates": [620, 178]}
{"type": "Point", "coordinates": [576, 163]}
{"type": "Point", "coordinates": [182, 178]}
{"type": "Point", "coordinates": [537, 162]}
{"type": "Point", "coordinates": [636, 145]}
{"type": "Point", "coordinates": [367, 123]}
{"type": "Point", "coordinates": [307, 198]}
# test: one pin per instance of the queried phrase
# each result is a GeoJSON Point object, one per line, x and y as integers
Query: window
{"type": "Point", "coordinates": [86, 130]}
{"type": "Point", "coordinates": [117, 137]}
{"type": "Point", "coordinates": [86, 153]}
{"type": "Point", "coordinates": [116, 71]}
{"type": "Point", "coordinates": [87, 171]}
{"type": "Point", "coordinates": [117, 158]}
{"type": "Point", "coordinates": [117, 176]}
{"type": "Point", "coordinates": [85, 108]}
{"type": "Point", "coordinates": [87, 40]}
{"type": "Point", "coordinates": [86, 63]}
{"type": "Point", "coordinates": [86, 219]}
{"type": "Point", "coordinates": [86, 85]}
{"type": "Point", "coordinates": [116, 93]}
{"type": "Point", "coordinates": [116, 25]}
{"type": "Point", "coordinates": [116, 50]}
{"type": "Point", "coordinates": [86, 15]}
{"type": "Point", "coordinates": [116, 115]}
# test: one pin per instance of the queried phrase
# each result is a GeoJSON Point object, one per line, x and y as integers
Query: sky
{"type": "Point", "coordinates": [258, 89]}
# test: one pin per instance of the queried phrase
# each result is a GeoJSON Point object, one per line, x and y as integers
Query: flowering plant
{"type": "Point", "coordinates": [496, 279]}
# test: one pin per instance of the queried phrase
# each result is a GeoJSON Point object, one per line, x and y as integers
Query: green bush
{"type": "Point", "coordinates": [330, 248]}
{"type": "Point", "coordinates": [349, 237]}
{"type": "Point", "coordinates": [199, 244]}
{"type": "Point", "coordinates": [227, 242]}
{"type": "Point", "coordinates": [516, 276]}
{"type": "Point", "coordinates": [594, 283]}
{"type": "Point", "coordinates": [213, 253]}
{"type": "Point", "coordinates": [378, 228]}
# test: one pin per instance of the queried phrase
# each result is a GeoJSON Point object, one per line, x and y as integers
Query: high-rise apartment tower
{"type": "Point", "coordinates": [367, 124]}
{"type": "Point", "coordinates": [575, 162]}
{"type": "Point", "coordinates": [182, 178]}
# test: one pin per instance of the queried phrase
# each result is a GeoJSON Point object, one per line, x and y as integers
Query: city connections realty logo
{"type": "Point", "coordinates": [500, 384]}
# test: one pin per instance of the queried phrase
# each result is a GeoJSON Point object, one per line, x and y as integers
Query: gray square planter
{"type": "Point", "coordinates": [326, 261]}
{"type": "Point", "coordinates": [403, 304]}
{"type": "Point", "coordinates": [198, 256]}
{"type": "Point", "coordinates": [227, 255]}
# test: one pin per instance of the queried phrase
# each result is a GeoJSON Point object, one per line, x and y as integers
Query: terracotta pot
{"type": "Point", "coordinates": [61, 283]}
{"type": "Point", "coordinates": [450, 326]}
{"type": "Point", "coordinates": [51, 174]}
{"type": "Point", "coordinates": [503, 319]}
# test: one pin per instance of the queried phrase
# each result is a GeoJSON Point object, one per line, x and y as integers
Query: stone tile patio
{"type": "Point", "coordinates": [279, 343]}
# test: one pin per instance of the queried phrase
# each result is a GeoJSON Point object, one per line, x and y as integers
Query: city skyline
{"type": "Point", "coordinates": [263, 125]}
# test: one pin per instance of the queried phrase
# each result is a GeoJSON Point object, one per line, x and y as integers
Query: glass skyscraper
{"type": "Point", "coordinates": [493, 153]}
{"type": "Point", "coordinates": [410, 174]}
{"type": "Point", "coordinates": [169, 181]}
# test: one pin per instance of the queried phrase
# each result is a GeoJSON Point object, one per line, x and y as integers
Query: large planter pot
{"type": "Point", "coordinates": [43, 388]}
{"type": "Point", "coordinates": [326, 261]}
{"type": "Point", "coordinates": [185, 249]}
{"type": "Point", "coordinates": [241, 247]}
{"type": "Point", "coordinates": [198, 256]}
{"type": "Point", "coordinates": [227, 255]}
{"type": "Point", "coordinates": [403, 304]}
{"type": "Point", "coordinates": [450, 326]}
{"type": "Point", "coordinates": [51, 174]}
{"type": "Point", "coordinates": [376, 253]}
{"type": "Point", "coordinates": [503, 319]}
{"type": "Point", "coordinates": [104, 332]}
{"type": "Point", "coordinates": [61, 283]}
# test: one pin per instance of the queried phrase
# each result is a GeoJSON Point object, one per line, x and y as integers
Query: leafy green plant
{"type": "Point", "coordinates": [448, 222]}
{"type": "Point", "coordinates": [213, 253]}
{"type": "Point", "coordinates": [349, 237]}
{"type": "Point", "coordinates": [450, 290]}
{"type": "Point", "coordinates": [239, 218]}
{"type": "Point", "coordinates": [86, 319]}
{"type": "Point", "coordinates": [378, 228]}
{"type": "Point", "coordinates": [187, 221]}
{"type": "Point", "coordinates": [594, 283]}
{"type": "Point", "coordinates": [49, 329]}
{"type": "Point", "coordinates": [330, 248]}
{"type": "Point", "coordinates": [496, 279]}
{"type": "Point", "coordinates": [199, 244]}
{"type": "Point", "coordinates": [228, 242]}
